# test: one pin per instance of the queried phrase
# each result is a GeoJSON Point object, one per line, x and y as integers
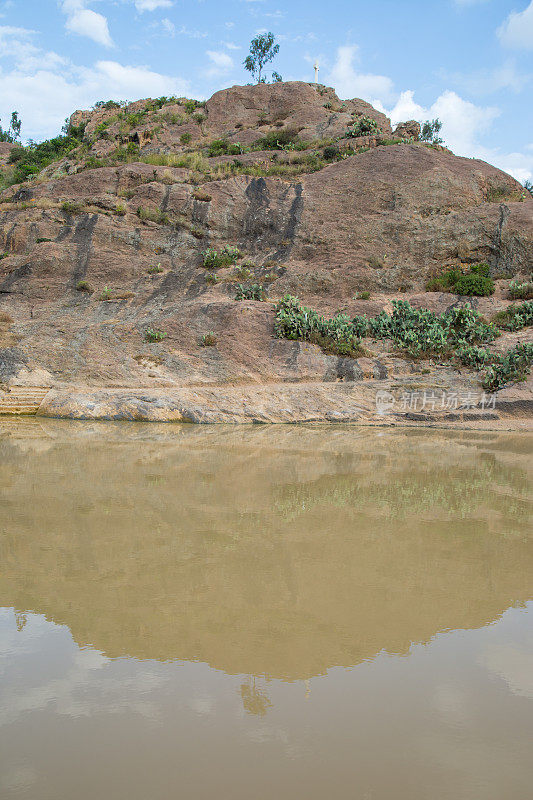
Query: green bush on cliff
{"type": "Point", "coordinates": [277, 140]}
{"type": "Point", "coordinates": [417, 331]}
{"type": "Point", "coordinates": [363, 126]}
{"type": "Point", "coordinates": [513, 366]}
{"type": "Point", "coordinates": [30, 160]}
{"type": "Point", "coordinates": [221, 147]}
{"type": "Point", "coordinates": [213, 259]}
{"type": "Point", "coordinates": [254, 291]}
{"type": "Point", "coordinates": [297, 322]}
{"type": "Point", "coordinates": [521, 291]}
{"type": "Point", "coordinates": [475, 281]}
{"type": "Point", "coordinates": [515, 317]}
{"type": "Point", "coordinates": [474, 356]}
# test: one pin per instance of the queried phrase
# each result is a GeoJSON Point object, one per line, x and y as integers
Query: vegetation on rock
{"type": "Point", "coordinates": [521, 290]}
{"type": "Point", "coordinates": [30, 160]}
{"type": "Point", "coordinates": [254, 291]}
{"type": "Point", "coordinates": [213, 259]}
{"type": "Point", "coordinates": [474, 281]}
{"type": "Point", "coordinates": [154, 335]}
{"type": "Point", "coordinates": [363, 126]}
{"type": "Point", "coordinates": [12, 134]}
{"type": "Point", "coordinates": [418, 332]}
{"type": "Point", "coordinates": [430, 132]}
{"type": "Point", "coordinates": [208, 340]}
{"type": "Point", "coordinates": [515, 317]}
{"type": "Point", "coordinates": [513, 366]}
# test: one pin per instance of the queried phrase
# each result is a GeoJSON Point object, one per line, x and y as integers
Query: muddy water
{"type": "Point", "coordinates": [275, 612]}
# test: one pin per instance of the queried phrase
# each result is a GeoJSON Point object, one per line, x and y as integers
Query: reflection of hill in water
{"type": "Point", "coordinates": [279, 551]}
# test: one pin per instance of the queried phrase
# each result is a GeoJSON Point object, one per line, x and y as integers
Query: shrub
{"type": "Point", "coordinates": [153, 215]}
{"type": "Point", "coordinates": [497, 193]}
{"type": "Point", "coordinates": [211, 279]}
{"type": "Point", "coordinates": [71, 207]}
{"type": "Point", "coordinates": [198, 118]}
{"type": "Point", "coordinates": [331, 152]}
{"type": "Point", "coordinates": [474, 356]}
{"type": "Point", "coordinates": [277, 140]}
{"type": "Point", "coordinates": [363, 296]}
{"type": "Point", "coordinates": [154, 335]}
{"type": "Point", "coordinates": [221, 147]}
{"type": "Point", "coordinates": [203, 196]}
{"type": "Point", "coordinates": [31, 159]}
{"type": "Point", "coordinates": [135, 118]}
{"type": "Point", "coordinates": [106, 294]}
{"type": "Point", "coordinates": [212, 259]}
{"type": "Point", "coordinates": [521, 291]}
{"type": "Point", "coordinates": [120, 210]}
{"type": "Point", "coordinates": [84, 286]}
{"type": "Point", "coordinates": [243, 272]}
{"type": "Point", "coordinates": [42, 239]}
{"type": "Point", "coordinates": [190, 106]}
{"type": "Point", "coordinates": [515, 317]}
{"type": "Point", "coordinates": [513, 366]}
{"type": "Point", "coordinates": [185, 138]}
{"type": "Point", "coordinates": [417, 331]}
{"type": "Point", "coordinates": [475, 282]}
{"type": "Point", "coordinates": [294, 321]}
{"type": "Point", "coordinates": [154, 269]}
{"type": "Point", "coordinates": [106, 104]}
{"type": "Point", "coordinates": [254, 291]}
{"type": "Point", "coordinates": [363, 126]}
{"type": "Point", "coordinates": [474, 285]}
{"type": "Point", "coordinates": [208, 340]}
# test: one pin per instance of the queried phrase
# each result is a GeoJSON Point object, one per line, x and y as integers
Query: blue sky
{"type": "Point", "coordinates": [469, 62]}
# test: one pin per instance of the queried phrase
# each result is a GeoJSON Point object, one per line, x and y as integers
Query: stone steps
{"type": "Point", "coordinates": [22, 399]}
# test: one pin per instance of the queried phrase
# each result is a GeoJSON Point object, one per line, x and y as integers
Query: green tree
{"type": "Point", "coordinates": [430, 131]}
{"type": "Point", "coordinates": [13, 132]}
{"type": "Point", "coordinates": [262, 50]}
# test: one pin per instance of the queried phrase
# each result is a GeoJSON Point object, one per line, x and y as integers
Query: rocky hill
{"type": "Point", "coordinates": [108, 272]}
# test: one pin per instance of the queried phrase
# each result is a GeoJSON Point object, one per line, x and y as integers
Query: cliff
{"type": "Point", "coordinates": [108, 241]}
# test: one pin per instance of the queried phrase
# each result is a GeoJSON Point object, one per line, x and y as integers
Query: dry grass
{"type": "Point", "coordinates": [7, 339]}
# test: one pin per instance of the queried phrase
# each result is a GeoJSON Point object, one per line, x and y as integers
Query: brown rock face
{"type": "Point", "coordinates": [315, 112]}
{"type": "Point", "coordinates": [408, 130]}
{"type": "Point", "coordinates": [93, 258]}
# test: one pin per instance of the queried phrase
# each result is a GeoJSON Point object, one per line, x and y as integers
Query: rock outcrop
{"type": "Point", "coordinates": [98, 248]}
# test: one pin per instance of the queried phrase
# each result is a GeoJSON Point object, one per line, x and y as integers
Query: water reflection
{"type": "Point", "coordinates": [277, 552]}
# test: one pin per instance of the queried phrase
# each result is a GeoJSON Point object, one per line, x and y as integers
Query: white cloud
{"type": "Point", "coordinates": [231, 45]}
{"type": "Point", "coordinates": [488, 81]}
{"type": "Point", "coordinates": [45, 95]}
{"type": "Point", "coordinates": [221, 62]}
{"type": "Point", "coordinates": [16, 44]}
{"type": "Point", "coordinates": [152, 5]}
{"type": "Point", "coordinates": [349, 83]}
{"type": "Point", "coordinates": [86, 22]}
{"type": "Point", "coordinates": [517, 30]}
{"type": "Point", "coordinates": [463, 123]}
{"type": "Point", "coordinates": [169, 26]}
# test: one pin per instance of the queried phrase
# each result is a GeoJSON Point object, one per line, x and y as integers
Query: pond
{"type": "Point", "coordinates": [264, 612]}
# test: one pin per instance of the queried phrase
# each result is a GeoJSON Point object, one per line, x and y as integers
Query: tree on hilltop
{"type": "Point", "coordinates": [430, 132]}
{"type": "Point", "coordinates": [262, 50]}
{"type": "Point", "coordinates": [13, 132]}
